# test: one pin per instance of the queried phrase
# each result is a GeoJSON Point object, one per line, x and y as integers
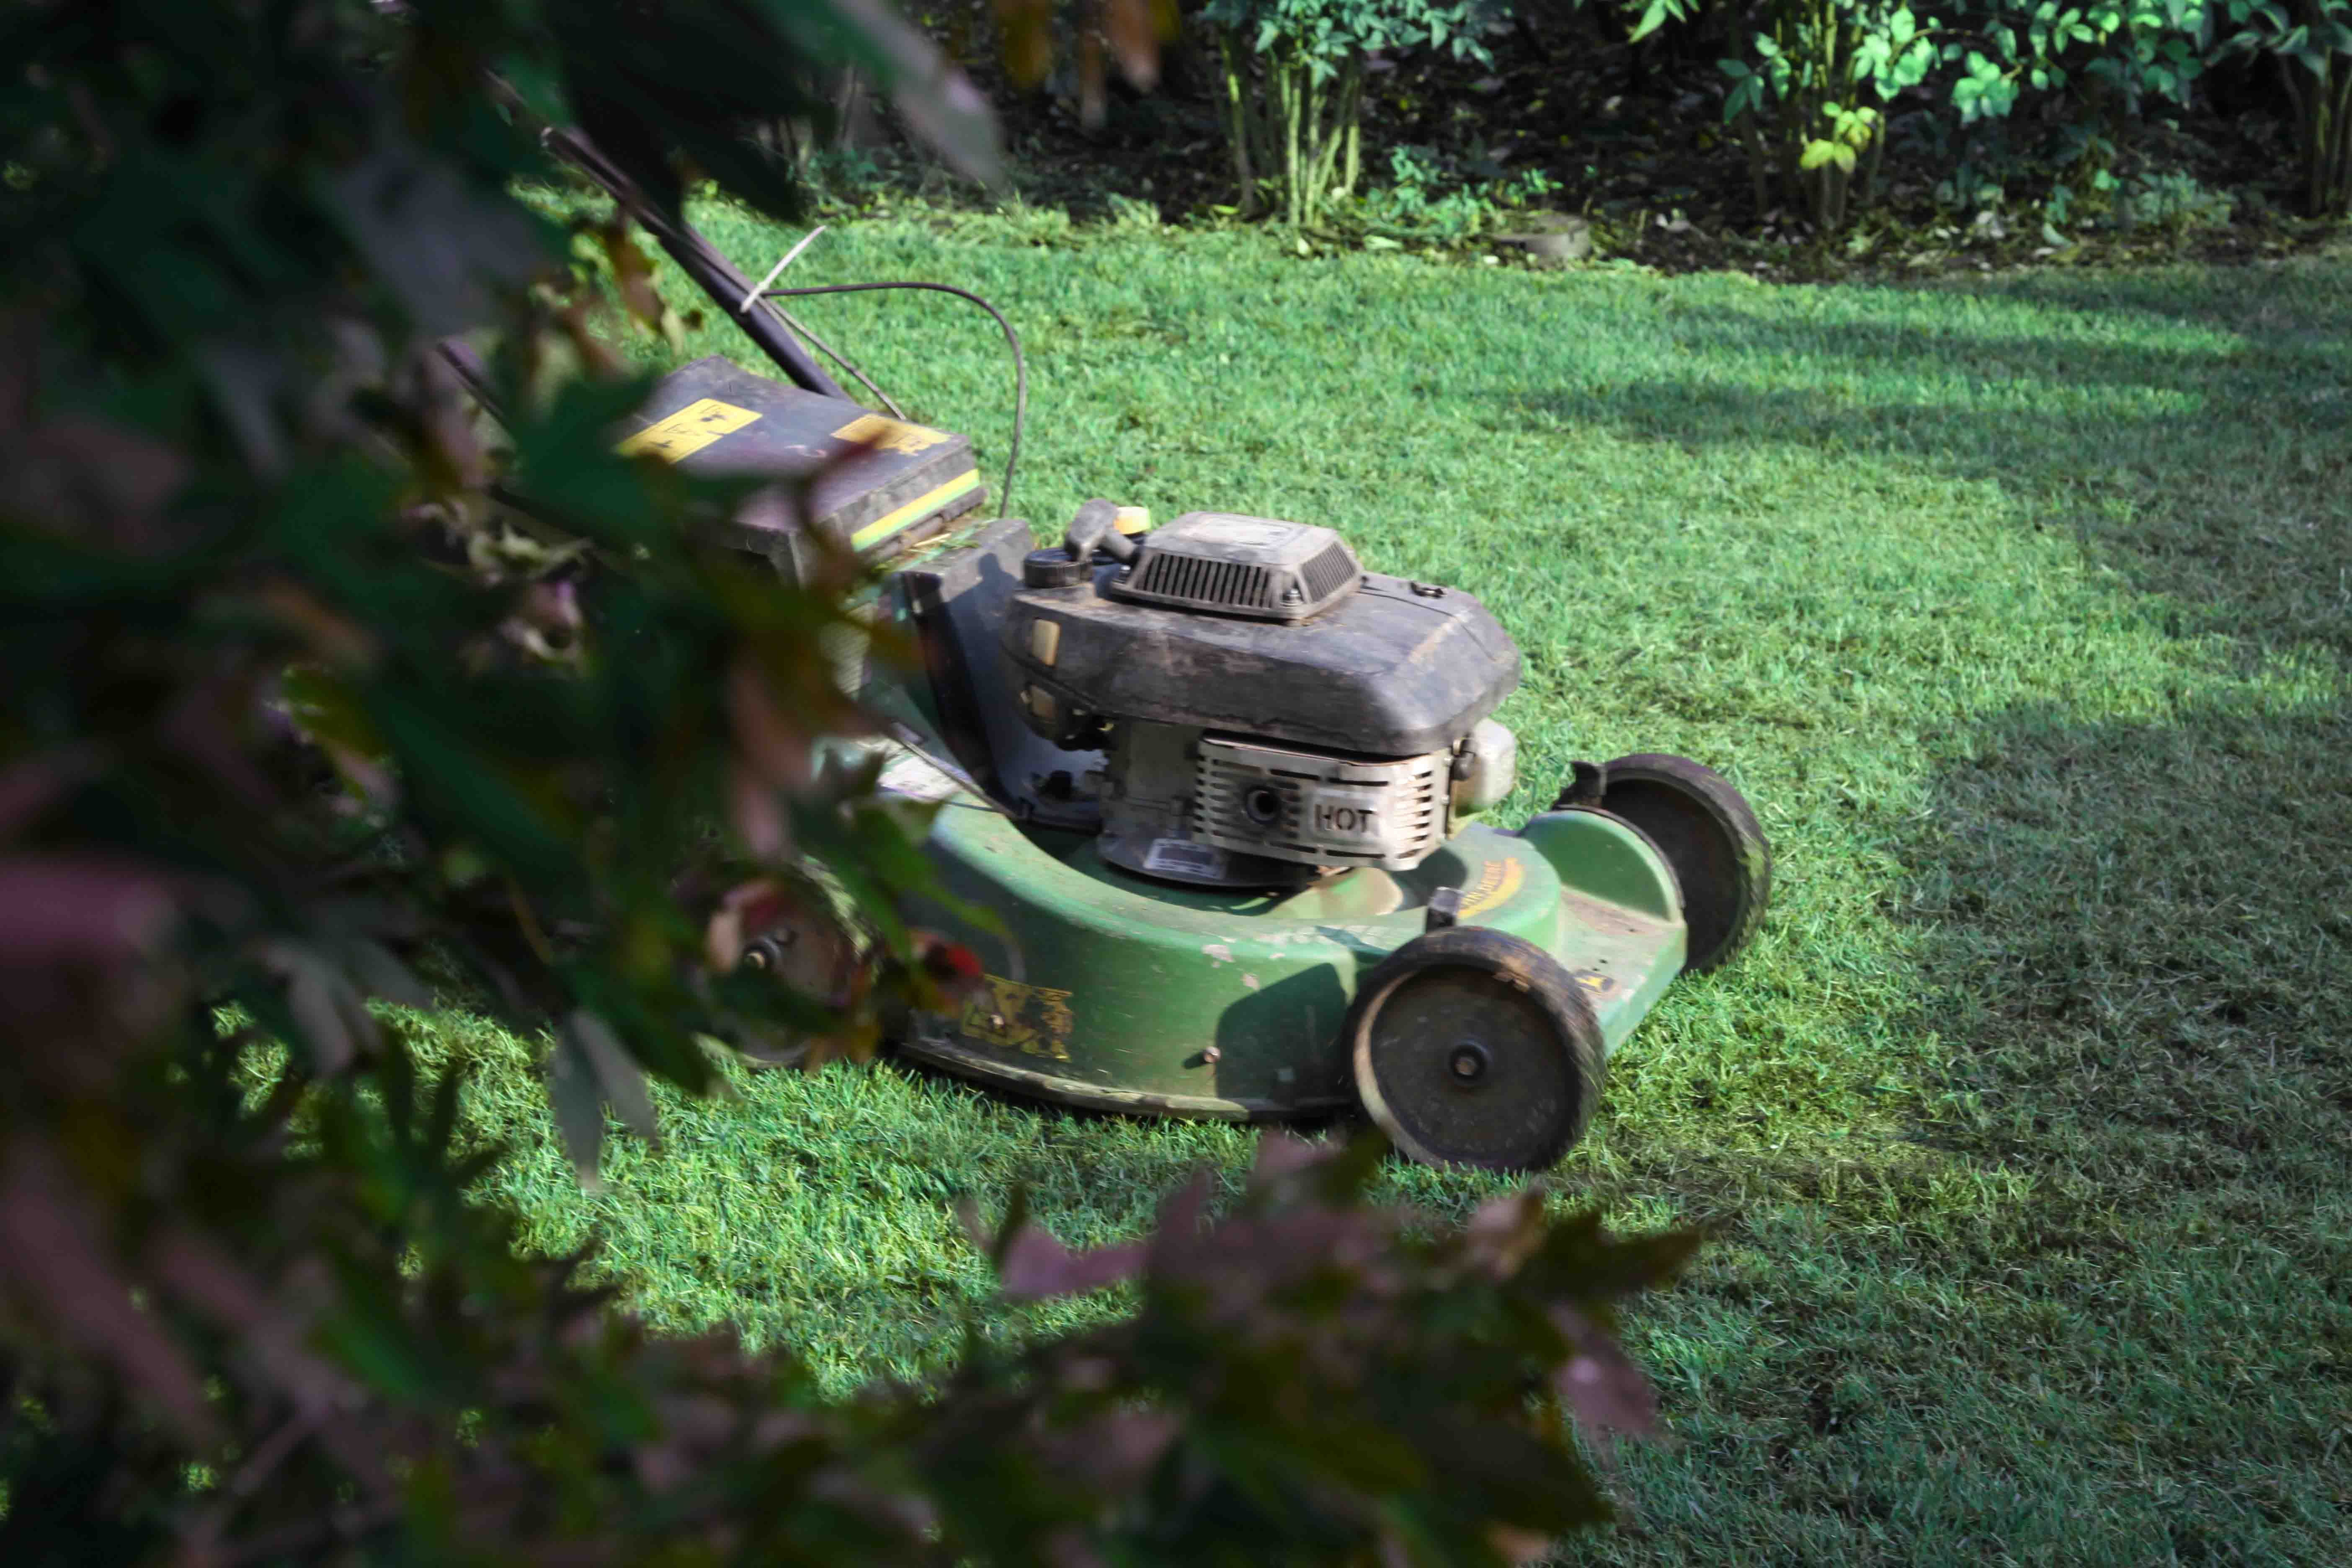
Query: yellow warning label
{"type": "Point", "coordinates": [1031, 1019]}
{"type": "Point", "coordinates": [690, 429]}
{"type": "Point", "coordinates": [890, 434]}
{"type": "Point", "coordinates": [1498, 880]}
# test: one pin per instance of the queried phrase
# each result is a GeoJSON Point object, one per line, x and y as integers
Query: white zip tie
{"type": "Point", "coordinates": [778, 270]}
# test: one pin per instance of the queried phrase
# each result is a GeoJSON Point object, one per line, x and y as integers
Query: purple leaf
{"type": "Point", "coordinates": [125, 471]}
{"type": "Point", "coordinates": [200, 1275]}
{"type": "Point", "coordinates": [20, 361]}
{"type": "Point", "coordinates": [1066, 1548]}
{"type": "Point", "coordinates": [1603, 1388]}
{"type": "Point", "coordinates": [1035, 1266]}
{"type": "Point", "coordinates": [207, 726]}
{"type": "Point", "coordinates": [1505, 1232]}
{"type": "Point", "coordinates": [1280, 1153]}
{"type": "Point", "coordinates": [55, 1245]}
{"type": "Point", "coordinates": [1180, 1210]}
{"type": "Point", "coordinates": [247, 381]}
{"type": "Point", "coordinates": [442, 246]}
{"type": "Point", "coordinates": [616, 1074]}
{"type": "Point", "coordinates": [104, 486]}
{"type": "Point", "coordinates": [1124, 1446]}
{"type": "Point", "coordinates": [579, 1109]}
{"type": "Point", "coordinates": [384, 975]}
{"type": "Point", "coordinates": [772, 741]}
{"type": "Point", "coordinates": [66, 909]}
{"type": "Point", "coordinates": [30, 787]}
{"type": "Point", "coordinates": [756, 814]}
{"type": "Point", "coordinates": [310, 997]}
{"type": "Point", "coordinates": [334, 1017]}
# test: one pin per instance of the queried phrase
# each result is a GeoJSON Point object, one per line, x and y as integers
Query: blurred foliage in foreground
{"type": "Point", "coordinates": [296, 707]}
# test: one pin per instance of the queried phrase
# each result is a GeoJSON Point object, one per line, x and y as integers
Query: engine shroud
{"type": "Point", "coordinates": [1324, 810]}
{"type": "Point", "coordinates": [1395, 670]}
{"type": "Point", "coordinates": [1254, 567]}
{"type": "Point", "coordinates": [1243, 748]}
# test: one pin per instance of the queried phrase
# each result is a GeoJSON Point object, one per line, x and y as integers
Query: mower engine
{"type": "Point", "coordinates": [1267, 713]}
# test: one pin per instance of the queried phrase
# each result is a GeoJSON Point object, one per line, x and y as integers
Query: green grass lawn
{"type": "Point", "coordinates": [2023, 613]}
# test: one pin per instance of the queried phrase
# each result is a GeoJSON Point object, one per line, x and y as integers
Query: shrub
{"type": "Point", "coordinates": [1428, 197]}
{"type": "Point", "coordinates": [2311, 42]}
{"type": "Point", "coordinates": [1809, 102]}
{"type": "Point", "coordinates": [1293, 87]}
{"type": "Point", "coordinates": [297, 701]}
{"type": "Point", "coordinates": [2171, 200]}
{"type": "Point", "coordinates": [1801, 108]}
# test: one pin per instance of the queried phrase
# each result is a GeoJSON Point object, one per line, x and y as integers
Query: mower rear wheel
{"type": "Point", "coordinates": [1710, 839]}
{"type": "Point", "coordinates": [1472, 1046]}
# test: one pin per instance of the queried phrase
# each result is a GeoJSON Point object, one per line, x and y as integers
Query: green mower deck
{"type": "Point", "coordinates": [1120, 994]}
{"type": "Point", "coordinates": [1468, 1003]}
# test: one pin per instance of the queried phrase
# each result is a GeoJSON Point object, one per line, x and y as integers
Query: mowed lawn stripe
{"type": "Point", "coordinates": [2021, 611]}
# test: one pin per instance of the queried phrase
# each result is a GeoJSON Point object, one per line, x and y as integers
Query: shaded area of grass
{"type": "Point", "coordinates": [2090, 1313]}
{"type": "Point", "coordinates": [2018, 611]}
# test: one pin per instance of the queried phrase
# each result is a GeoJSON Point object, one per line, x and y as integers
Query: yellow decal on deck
{"type": "Point", "coordinates": [1031, 1019]}
{"type": "Point", "coordinates": [690, 429]}
{"type": "Point", "coordinates": [1498, 880]}
{"type": "Point", "coordinates": [1598, 984]}
{"type": "Point", "coordinates": [890, 434]}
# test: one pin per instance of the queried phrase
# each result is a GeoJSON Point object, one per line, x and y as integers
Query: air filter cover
{"type": "Point", "coordinates": [1255, 566]}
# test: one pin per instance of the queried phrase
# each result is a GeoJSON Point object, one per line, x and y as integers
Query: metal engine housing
{"type": "Point", "coordinates": [1388, 668]}
{"type": "Point", "coordinates": [1265, 711]}
{"type": "Point", "coordinates": [1318, 809]}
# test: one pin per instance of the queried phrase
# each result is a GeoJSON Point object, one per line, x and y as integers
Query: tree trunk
{"type": "Point", "coordinates": [1310, 162]}
{"type": "Point", "coordinates": [1294, 142]}
{"type": "Point", "coordinates": [1351, 110]}
{"type": "Point", "coordinates": [1759, 164]}
{"type": "Point", "coordinates": [2324, 125]}
{"type": "Point", "coordinates": [1289, 96]}
{"type": "Point", "coordinates": [1239, 130]}
{"type": "Point", "coordinates": [853, 109]}
{"type": "Point", "coordinates": [1872, 159]}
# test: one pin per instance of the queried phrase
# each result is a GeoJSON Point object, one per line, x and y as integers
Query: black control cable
{"type": "Point", "coordinates": [1020, 368]}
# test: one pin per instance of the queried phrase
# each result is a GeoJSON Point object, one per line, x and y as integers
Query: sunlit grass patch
{"type": "Point", "coordinates": [2022, 615]}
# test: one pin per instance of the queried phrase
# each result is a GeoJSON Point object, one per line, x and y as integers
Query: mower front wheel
{"type": "Point", "coordinates": [1709, 837]}
{"type": "Point", "coordinates": [1473, 1047]}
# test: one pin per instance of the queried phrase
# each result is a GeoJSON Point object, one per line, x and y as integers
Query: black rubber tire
{"type": "Point", "coordinates": [1709, 837]}
{"type": "Point", "coordinates": [1473, 992]}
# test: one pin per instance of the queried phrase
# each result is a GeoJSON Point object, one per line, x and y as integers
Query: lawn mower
{"type": "Point", "coordinates": [1227, 789]}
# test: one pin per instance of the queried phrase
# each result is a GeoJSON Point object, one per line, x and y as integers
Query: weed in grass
{"type": "Point", "coordinates": [2019, 612]}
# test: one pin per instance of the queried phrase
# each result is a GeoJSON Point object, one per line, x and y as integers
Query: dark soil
{"type": "Point", "coordinates": [1634, 136]}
